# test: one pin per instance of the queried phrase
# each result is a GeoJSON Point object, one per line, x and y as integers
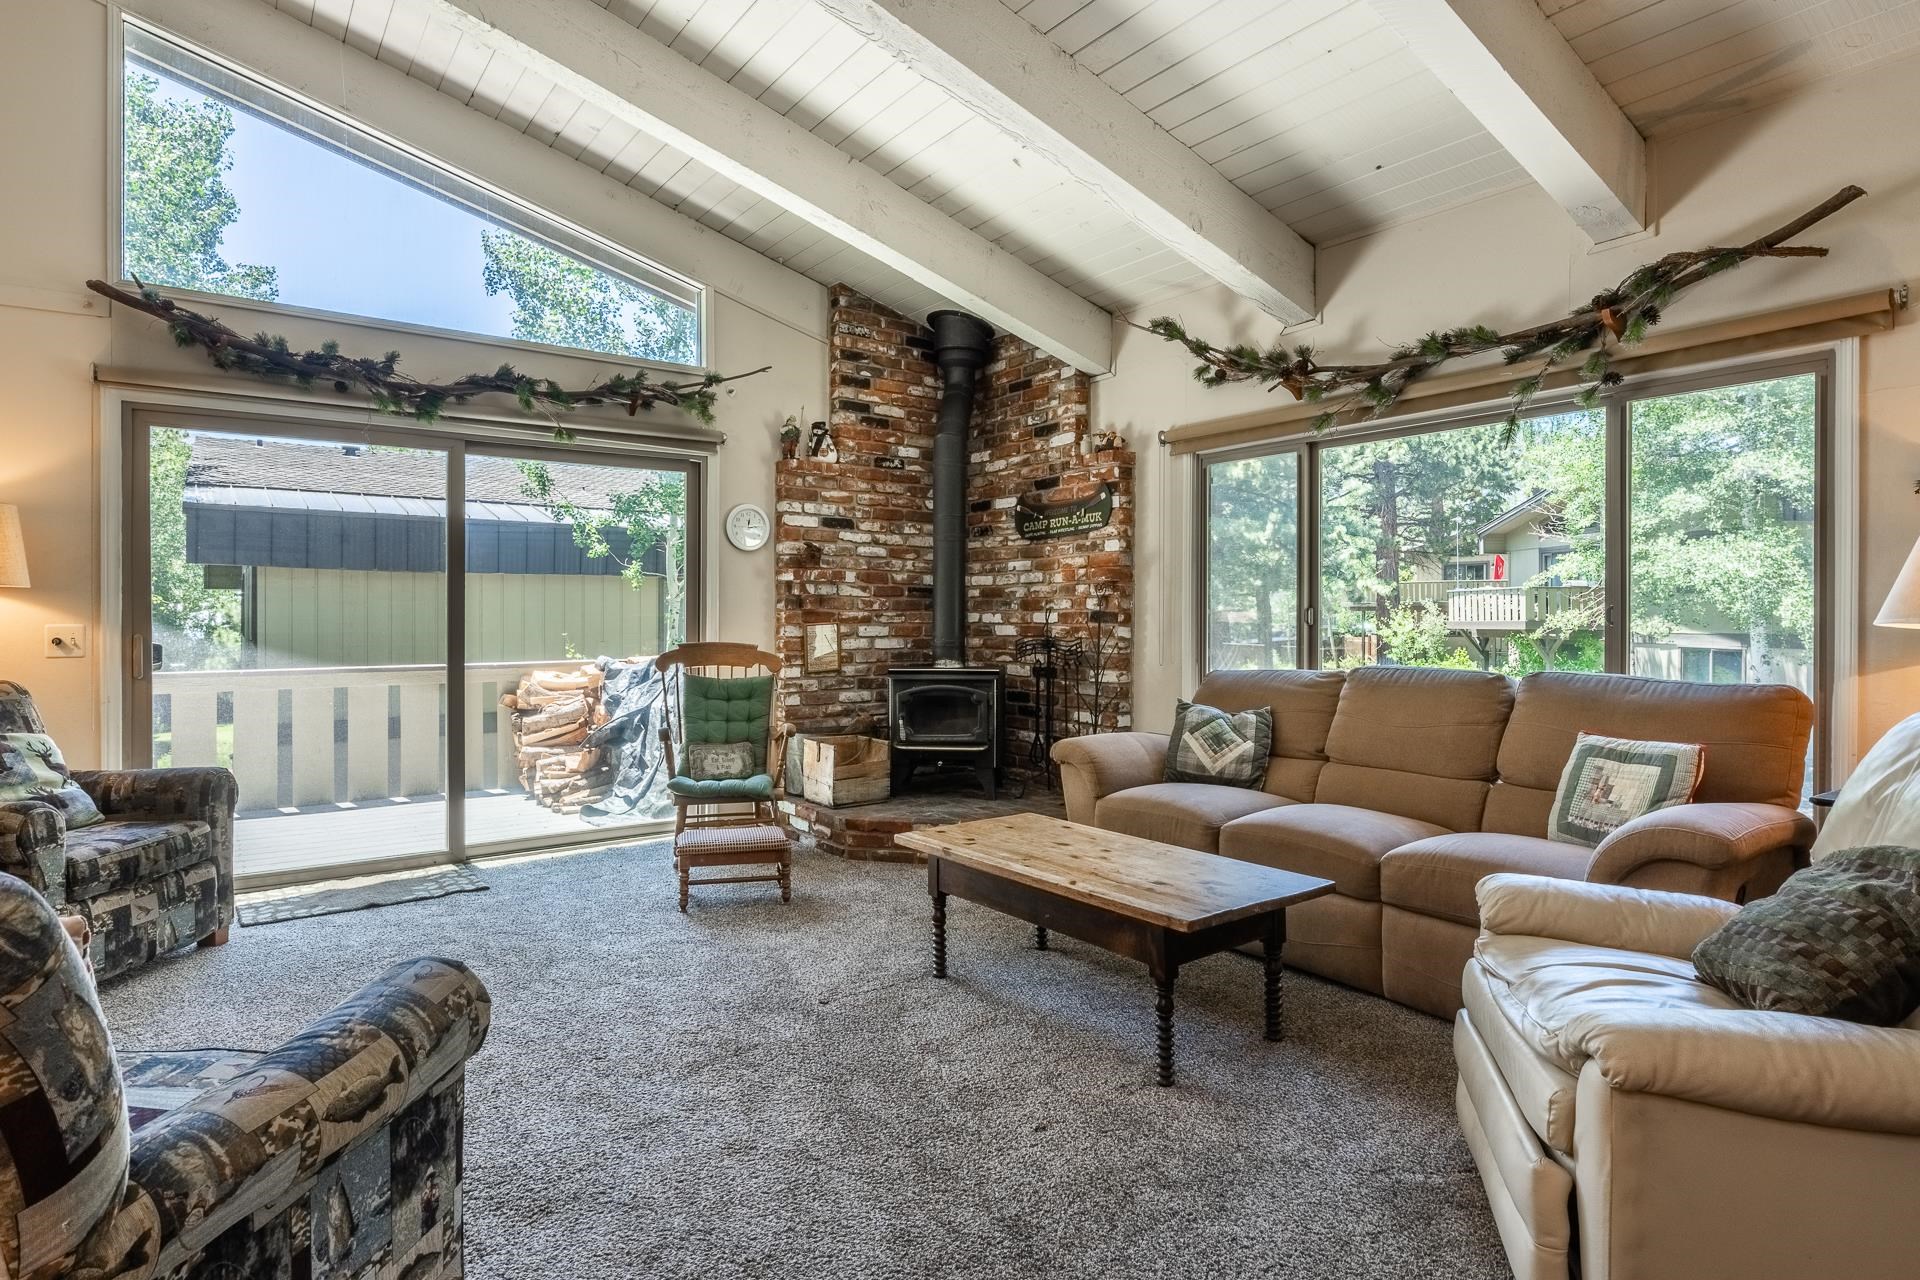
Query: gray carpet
{"type": "Point", "coordinates": [359, 893]}
{"type": "Point", "coordinates": [767, 1091]}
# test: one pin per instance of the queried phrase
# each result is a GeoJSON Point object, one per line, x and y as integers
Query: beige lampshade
{"type": "Point", "coordinates": [13, 548]}
{"type": "Point", "coordinates": [1902, 608]}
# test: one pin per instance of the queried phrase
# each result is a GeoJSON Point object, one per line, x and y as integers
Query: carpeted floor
{"type": "Point", "coordinates": [767, 1091]}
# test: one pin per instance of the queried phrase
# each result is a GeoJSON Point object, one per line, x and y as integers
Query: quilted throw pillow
{"type": "Point", "coordinates": [1841, 939]}
{"type": "Point", "coordinates": [1226, 748]}
{"type": "Point", "coordinates": [31, 769]}
{"type": "Point", "coordinates": [1611, 781]}
{"type": "Point", "coordinates": [719, 761]}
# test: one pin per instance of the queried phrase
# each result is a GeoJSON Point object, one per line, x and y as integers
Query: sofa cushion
{"type": "Point", "coordinates": [1189, 814]}
{"type": "Point", "coordinates": [1225, 748]}
{"type": "Point", "coordinates": [1755, 737]}
{"type": "Point", "coordinates": [1303, 705]}
{"type": "Point", "coordinates": [1340, 842]}
{"type": "Point", "coordinates": [121, 855]}
{"type": "Point", "coordinates": [1841, 939]}
{"type": "Point", "coordinates": [1608, 782]}
{"type": "Point", "coordinates": [1540, 1087]}
{"type": "Point", "coordinates": [1437, 876]}
{"type": "Point", "coordinates": [1415, 742]}
{"type": "Point", "coordinates": [1554, 990]}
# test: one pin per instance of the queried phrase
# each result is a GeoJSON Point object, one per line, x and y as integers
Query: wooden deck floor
{"type": "Point", "coordinates": [283, 845]}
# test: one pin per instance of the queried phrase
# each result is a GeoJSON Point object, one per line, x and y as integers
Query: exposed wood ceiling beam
{"type": "Point", "coordinates": [1531, 91]}
{"type": "Point", "coordinates": [613, 65]}
{"type": "Point", "coordinates": [994, 62]}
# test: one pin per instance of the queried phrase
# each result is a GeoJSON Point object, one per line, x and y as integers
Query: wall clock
{"type": "Point", "coordinates": [748, 527]}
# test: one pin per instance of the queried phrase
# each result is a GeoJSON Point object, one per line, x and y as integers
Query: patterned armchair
{"type": "Point", "coordinates": [156, 875]}
{"type": "Point", "coordinates": [337, 1154]}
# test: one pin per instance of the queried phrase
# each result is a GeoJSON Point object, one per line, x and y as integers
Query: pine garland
{"type": "Point", "coordinates": [269, 356]}
{"type": "Point", "coordinates": [1620, 316]}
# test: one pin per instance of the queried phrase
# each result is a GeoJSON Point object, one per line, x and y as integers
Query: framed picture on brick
{"type": "Point", "coordinates": [823, 646]}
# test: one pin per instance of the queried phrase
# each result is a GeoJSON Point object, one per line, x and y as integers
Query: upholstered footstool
{"type": "Point", "coordinates": [737, 846]}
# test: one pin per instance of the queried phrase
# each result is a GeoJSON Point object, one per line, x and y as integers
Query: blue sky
{"type": "Point", "coordinates": [348, 238]}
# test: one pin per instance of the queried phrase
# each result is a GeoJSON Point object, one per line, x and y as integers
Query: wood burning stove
{"type": "Point", "coordinates": [946, 716]}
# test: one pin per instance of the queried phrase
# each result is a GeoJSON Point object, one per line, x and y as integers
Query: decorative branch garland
{"type": "Point", "coordinates": [1622, 315]}
{"type": "Point", "coordinates": [268, 356]}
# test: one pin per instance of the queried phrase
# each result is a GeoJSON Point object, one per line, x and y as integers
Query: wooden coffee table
{"type": "Point", "coordinates": [1156, 903]}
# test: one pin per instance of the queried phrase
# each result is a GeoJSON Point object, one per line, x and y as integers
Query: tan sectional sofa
{"type": "Point", "coordinates": [1405, 786]}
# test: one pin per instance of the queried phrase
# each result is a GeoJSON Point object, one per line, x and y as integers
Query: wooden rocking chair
{"type": "Point", "coordinates": [719, 695]}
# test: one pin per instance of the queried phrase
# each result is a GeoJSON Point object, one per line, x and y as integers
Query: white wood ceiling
{"type": "Point", "coordinates": [1313, 107]}
{"type": "Point", "coordinates": [1674, 65]}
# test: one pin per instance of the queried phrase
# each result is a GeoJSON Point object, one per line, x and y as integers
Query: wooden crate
{"type": "Point", "coordinates": [844, 769]}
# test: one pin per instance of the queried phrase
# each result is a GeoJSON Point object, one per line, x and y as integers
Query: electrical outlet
{"type": "Point", "coordinates": [67, 640]}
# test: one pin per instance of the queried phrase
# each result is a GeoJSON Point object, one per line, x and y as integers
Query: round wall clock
{"type": "Point", "coordinates": [748, 527]}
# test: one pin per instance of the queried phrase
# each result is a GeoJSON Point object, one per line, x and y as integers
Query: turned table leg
{"type": "Point", "coordinates": [939, 934]}
{"type": "Point", "coordinates": [1276, 940]}
{"type": "Point", "coordinates": [1040, 937]}
{"type": "Point", "coordinates": [1163, 1011]}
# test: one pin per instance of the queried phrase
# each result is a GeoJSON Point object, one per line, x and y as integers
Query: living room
{"type": "Point", "coordinates": [985, 637]}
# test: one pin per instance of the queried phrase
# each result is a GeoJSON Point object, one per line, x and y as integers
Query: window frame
{"type": "Point", "coordinates": [1829, 365]}
{"type": "Point", "coordinates": [402, 163]}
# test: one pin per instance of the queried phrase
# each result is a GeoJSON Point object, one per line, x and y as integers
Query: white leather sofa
{"type": "Point", "coordinates": [1632, 1123]}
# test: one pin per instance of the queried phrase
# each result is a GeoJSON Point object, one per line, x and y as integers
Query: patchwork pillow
{"type": "Point", "coordinates": [1222, 747]}
{"type": "Point", "coordinates": [31, 769]}
{"type": "Point", "coordinates": [1611, 781]}
{"type": "Point", "coordinates": [1841, 939]}
{"type": "Point", "coordinates": [719, 761]}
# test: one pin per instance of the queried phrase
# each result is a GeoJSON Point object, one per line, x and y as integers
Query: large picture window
{"type": "Point", "coordinates": [232, 187]}
{"type": "Point", "coordinates": [1674, 532]}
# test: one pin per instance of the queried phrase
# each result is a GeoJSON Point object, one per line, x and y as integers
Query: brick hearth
{"type": "Point", "coordinates": [855, 545]}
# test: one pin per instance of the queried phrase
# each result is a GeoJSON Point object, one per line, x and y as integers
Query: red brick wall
{"type": "Point", "coordinates": [855, 537]}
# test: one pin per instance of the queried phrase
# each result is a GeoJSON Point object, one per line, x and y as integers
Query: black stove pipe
{"type": "Point", "coordinates": [961, 345]}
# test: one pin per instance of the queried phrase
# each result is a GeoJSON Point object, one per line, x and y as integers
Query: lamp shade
{"type": "Point", "coordinates": [13, 548]}
{"type": "Point", "coordinates": [1902, 608]}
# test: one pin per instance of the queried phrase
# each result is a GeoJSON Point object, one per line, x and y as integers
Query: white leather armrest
{"type": "Point", "coordinates": [1783, 1065]}
{"type": "Point", "coordinates": [1598, 915]}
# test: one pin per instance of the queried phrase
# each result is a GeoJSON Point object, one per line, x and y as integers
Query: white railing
{"type": "Point", "coordinates": [388, 728]}
{"type": "Point", "coordinates": [1513, 607]}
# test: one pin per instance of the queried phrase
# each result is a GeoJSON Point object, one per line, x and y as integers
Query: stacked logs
{"type": "Point", "coordinates": [552, 713]}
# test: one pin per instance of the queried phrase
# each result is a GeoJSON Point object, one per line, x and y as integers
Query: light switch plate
{"type": "Point", "coordinates": [66, 640]}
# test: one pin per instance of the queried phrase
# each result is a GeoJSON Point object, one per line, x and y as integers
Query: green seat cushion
{"type": "Point", "coordinates": [758, 787]}
{"type": "Point", "coordinates": [724, 709]}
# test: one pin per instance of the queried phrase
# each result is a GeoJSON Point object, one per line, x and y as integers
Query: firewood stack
{"type": "Point", "coordinates": [553, 712]}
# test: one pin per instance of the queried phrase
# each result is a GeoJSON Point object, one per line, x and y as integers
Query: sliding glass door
{"type": "Point", "coordinates": [573, 570]}
{"type": "Point", "coordinates": [1673, 531]}
{"type": "Point", "coordinates": [293, 617]}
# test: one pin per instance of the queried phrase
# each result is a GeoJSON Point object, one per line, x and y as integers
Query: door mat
{"type": "Point", "coordinates": [303, 902]}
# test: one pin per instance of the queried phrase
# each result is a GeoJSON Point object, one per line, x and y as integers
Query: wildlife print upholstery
{"type": "Point", "coordinates": [337, 1154]}
{"type": "Point", "coordinates": [155, 874]}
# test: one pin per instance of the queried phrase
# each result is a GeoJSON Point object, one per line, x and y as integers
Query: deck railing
{"type": "Point", "coordinates": [327, 735]}
{"type": "Point", "coordinates": [1511, 608]}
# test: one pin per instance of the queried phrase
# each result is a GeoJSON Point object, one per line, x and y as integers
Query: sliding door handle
{"type": "Point", "coordinates": [142, 658]}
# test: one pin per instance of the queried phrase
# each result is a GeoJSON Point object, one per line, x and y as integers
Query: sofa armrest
{"type": "Point", "coordinates": [1712, 836]}
{"type": "Point", "coordinates": [250, 1140]}
{"type": "Point", "coordinates": [33, 846]}
{"type": "Point", "coordinates": [1100, 764]}
{"type": "Point", "coordinates": [1785, 1066]}
{"type": "Point", "coordinates": [205, 794]}
{"type": "Point", "coordinates": [1598, 915]}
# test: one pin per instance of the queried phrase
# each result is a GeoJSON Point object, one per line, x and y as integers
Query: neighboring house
{"type": "Point", "coordinates": [1512, 585]}
{"type": "Point", "coordinates": [340, 560]}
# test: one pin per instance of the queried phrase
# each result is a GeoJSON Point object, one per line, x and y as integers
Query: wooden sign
{"type": "Point", "coordinates": [1035, 524]}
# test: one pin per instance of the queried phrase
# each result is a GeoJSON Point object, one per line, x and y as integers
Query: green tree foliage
{"type": "Point", "coordinates": [561, 300]}
{"type": "Point", "coordinates": [651, 514]}
{"type": "Point", "coordinates": [1391, 508]}
{"type": "Point", "coordinates": [1253, 561]}
{"type": "Point", "coordinates": [199, 627]}
{"type": "Point", "coordinates": [1416, 635]}
{"type": "Point", "coordinates": [177, 203]}
{"type": "Point", "coordinates": [1723, 498]}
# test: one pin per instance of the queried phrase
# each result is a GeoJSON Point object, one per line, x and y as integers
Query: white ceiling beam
{"type": "Point", "coordinates": [1001, 68]}
{"type": "Point", "coordinates": [610, 63]}
{"type": "Point", "coordinates": [1505, 61]}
